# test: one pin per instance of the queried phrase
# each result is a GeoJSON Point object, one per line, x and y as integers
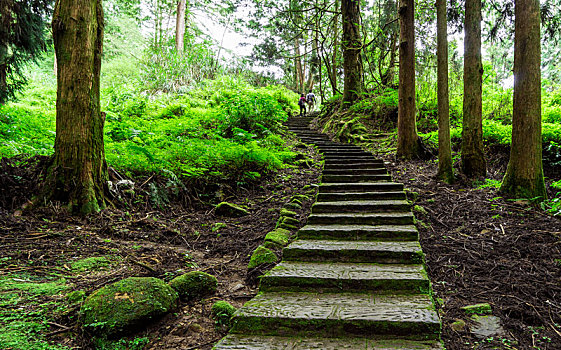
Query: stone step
{"type": "Point", "coordinates": [326, 178]}
{"type": "Point", "coordinates": [336, 315]}
{"type": "Point", "coordinates": [345, 187]}
{"type": "Point", "coordinates": [352, 171]}
{"type": "Point", "coordinates": [367, 206]}
{"type": "Point", "coordinates": [263, 342]}
{"type": "Point", "coordinates": [344, 153]}
{"type": "Point", "coordinates": [345, 277]}
{"type": "Point", "coordinates": [362, 165]}
{"type": "Point", "coordinates": [351, 196]}
{"type": "Point", "coordinates": [354, 251]}
{"type": "Point", "coordinates": [405, 218]}
{"type": "Point", "coordinates": [359, 232]}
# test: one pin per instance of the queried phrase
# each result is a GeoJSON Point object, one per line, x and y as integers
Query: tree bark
{"type": "Point", "coordinates": [445, 171]}
{"type": "Point", "coordinates": [408, 145]}
{"type": "Point", "coordinates": [180, 27]}
{"type": "Point", "coordinates": [352, 46]}
{"type": "Point", "coordinates": [473, 159]}
{"type": "Point", "coordinates": [78, 174]}
{"type": "Point", "coordinates": [524, 174]}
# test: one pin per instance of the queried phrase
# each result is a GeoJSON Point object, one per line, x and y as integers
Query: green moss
{"type": "Point", "coordinates": [292, 206]}
{"type": "Point", "coordinates": [287, 227]}
{"type": "Point", "coordinates": [419, 209]}
{"type": "Point", "coordinates": [76, 296]}
{"type": "Point", "coordinates": [126, 304]}
{"type": "Point", "coordinates": [478, 309]}
{"type": "Point", "coordinates": [261, 255]}
{"type": "Point", "coordinates": [194, 284]}
{"type": "Point", "coordinates": [288, 220]}
{"type": "Point", "coordinates": [277, 238]}
{"type": "Point", "coordinates": [93, 263]}
{"type": "Point", "coordinates": [289, 213]}
{"type": "Point", "coordinates": [222, 311]}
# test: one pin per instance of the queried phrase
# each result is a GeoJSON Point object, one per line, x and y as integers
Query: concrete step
{"type": "Point", "coordinates": [404, 218]}
{"type": "Point", "coordinates": [326, 178]}
{"type": "Point", "coordinates": [359, 232]}
{"type": "Point", "coordinates": [345, 277]}
{"type": "Point", "coordinates": [365, 206]}
{"type": "Point", "coordinates": [345, 187]}
{"type": "Point", "coordinates": [336, 315]}
{"type": "Point", "coordinates": [351, 171]}
{"type": "Point", "coordinates": [352, 196]}
{"type": "Point", "coordinates": [354, 251]}
{"type": "Point", "coordinates": [261, 342]}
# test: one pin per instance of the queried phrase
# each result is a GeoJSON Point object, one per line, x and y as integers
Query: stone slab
{"type": "Point", "coordinates": [359, 232]}
{"type": "Point", "coordinates": [350, 196]}
{"type": "Point", "coordinates": [255, 342]}
{"type": "Point", "coordinates": [341, 314]}
{"type": "Point", "coordinates": [351, 171]}
{"type": "Point", "coordinates": [405, 218]}
{"type": "Point", "coordinates": [354, 251]}
{"type": "Point", "coordinates": [345, 187]}
{"type": "Point", "coordinates": [361, 206]}
{"type": "Point", "coordinates": [326, 178]}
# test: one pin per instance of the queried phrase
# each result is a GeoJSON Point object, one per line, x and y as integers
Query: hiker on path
{"type": "Point", "coordinates": [311, 101]}
{"type": "Point", "coordinates": [302, 105]}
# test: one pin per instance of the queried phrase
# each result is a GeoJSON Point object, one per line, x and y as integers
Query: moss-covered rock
{"type": "Point", "coordinates": [230, 210]}
{"type": "Point", "coordinates": [76, 297]}
{"type": "Point", "coordinates": [93, 263]}
{"type": "Point", "coordinates": [292, 206]}
{"type": "Point", "coordinates": [260, 256]}
{"type": "Point", "coordinates": [478, 309]}
{"type": "Point", "coordinates": [277, 238]}
{"type": "Point", "coordinates": [289, 213]}
{"type": "Point", "coordinates": [301, 197]}
{"type": "Point", "coordinates": [126, 304]}
{"type": "Point", "coordinates": [289, 220]}
{"type": "Point", "coordinates": [296, 201]}
{"type": "Point", "coordinates": [287, 227]}
{"type": "Point", "coordinates": [194, 285]}
{"type": "Point", "coordinates": [222, 312]}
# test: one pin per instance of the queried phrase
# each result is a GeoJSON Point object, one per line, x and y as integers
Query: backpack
{"type": "Point", "coordinates": [302, 101]}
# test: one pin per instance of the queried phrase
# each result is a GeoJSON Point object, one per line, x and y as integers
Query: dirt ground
{"type": "Point", "coordinates": [146, 242]}
{"type": "Point", "coordinates": [482, 248]}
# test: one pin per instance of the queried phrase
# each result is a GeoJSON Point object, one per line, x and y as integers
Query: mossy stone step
{"type": "Point", "coordinates": [345, 187]}
{"type": "Point", "coordinates": [345, 277]}
{"type": "Point", "coordinates": [338, 147]}
{"type": "Point", "coordinates": [326, 178]}
{"type": "Point", "coordinates": [354, 251]}
{"type": "Point", "coordinates": [327, 153]}
{"type": "Point", "coordinates": [336, 315]}
{"type": "Point", "coordinates": [405, 218]}
{"type": "Point", "coordinates": [375, 170]}
{"type": "Point", "coordinates": [359, 232]}
{"type": "Point", "coordinates": [263, 342]}
{"type": "Point", "coordinates": [353, 165]}
{"type": "Point", "coordinates": [355, 157]}
{"type": "Point", "coordinates": [351, 196]}
{"type": "Point", "coordinates": [359, 206]}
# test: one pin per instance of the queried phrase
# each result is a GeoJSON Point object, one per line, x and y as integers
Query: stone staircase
{"type": "Point", "coordinates": [354, 278]}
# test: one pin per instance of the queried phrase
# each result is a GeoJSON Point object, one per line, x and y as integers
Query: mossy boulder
{"type": "Point", "coordinates": [300, 197]}
{"type": "Point", "coordinates": [292, 206]}
{"type": "Point", "coordinates": [222, 312]}
{"type": "Point", "coordinates": [260, 256]}
{"type": "Point", "coordinates": [288, 220]}
{"type": "Point", "coordinates": [277, 238]}
{"type": "Point", "coordinates": [127, 304]}
{"type": "Point", "coordinates": [194, 285]}
{"type": "Point", "coordinates": [287, 227]}
{"type": "Point", "coordinates": [230, 210]}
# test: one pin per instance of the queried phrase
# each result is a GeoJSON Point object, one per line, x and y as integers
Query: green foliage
{"type": "Point", "coordinates": [489, 183]}
{"type": "Point", "coordinates": [121, 344]}
{"type": "Point", "coordinates": [25, 327]}
{"type": "Point", "coordinates": [94, 263]}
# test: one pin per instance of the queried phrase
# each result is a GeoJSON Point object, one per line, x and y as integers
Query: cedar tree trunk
{"type": "Point", "coordinates": [180, 27]}
{"type": "Point", "coordinates": [78, 174]}
{"type": "Point", "coordinates": [445, 171]}
{"type": "Point", "coordinates": [408, 145]}
{"type": "Point", "coordinates": [473, 159]}
{"type": "Point", "coordinates": [524, 174]}
{"type": "Point", "coordinates": [352, 66]}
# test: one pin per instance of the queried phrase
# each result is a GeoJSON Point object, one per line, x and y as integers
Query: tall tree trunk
{"type": "Point", "coordinates": [445, 171]}
{"type": "Point", "coordinates": [180, 27]}
{"type": "Point", "coordinates": [352, 46]}
{"type": "Point", "coordinates": [524, 174]}
{"type": "Point", "coordinates": [78, 174]}
{"type": "Point", "coordinates": [473, 159]}
{"type": "Point", "coordinates": [299, 70]}
{"type": "Point", "coordinates": [408, 144]}
{"type": "Point", "coordinates": [334, 57]}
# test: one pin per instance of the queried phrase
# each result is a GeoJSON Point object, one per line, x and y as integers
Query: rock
{"type": "Point", "coordinates": [300, 197]}
{"type": "Point", "coordinates": [222, 311]}
{"type": "Point", "coordinates": [76, 297]}
{"type": "Point", "coordinates": [260, 256]}
{"type": "Point", "coordinates": [230, 210]}
{"type": "Point", "coordinates": [277, 238]}
{"type": "Point", "coordinates": [479, 309]}
{"type": "Point", "coordinates": [287, 227]}
{"type": "Point", "coordinates": [420, 210]}
{"type": "Point", "coordinates": [486, 326]}
{"type": "Point", "coordinates": [289, 220]}
{"type": "Point", "coordinates": [289, 213]}
{"type": "Point", "coordinates": [194, 285]}
{"type": "Point", "coordinates": [458, 325]}
{"type": "Point", "coordinates": [124, 305]}
{"type": "Point", "coordinates": [292, 206]}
